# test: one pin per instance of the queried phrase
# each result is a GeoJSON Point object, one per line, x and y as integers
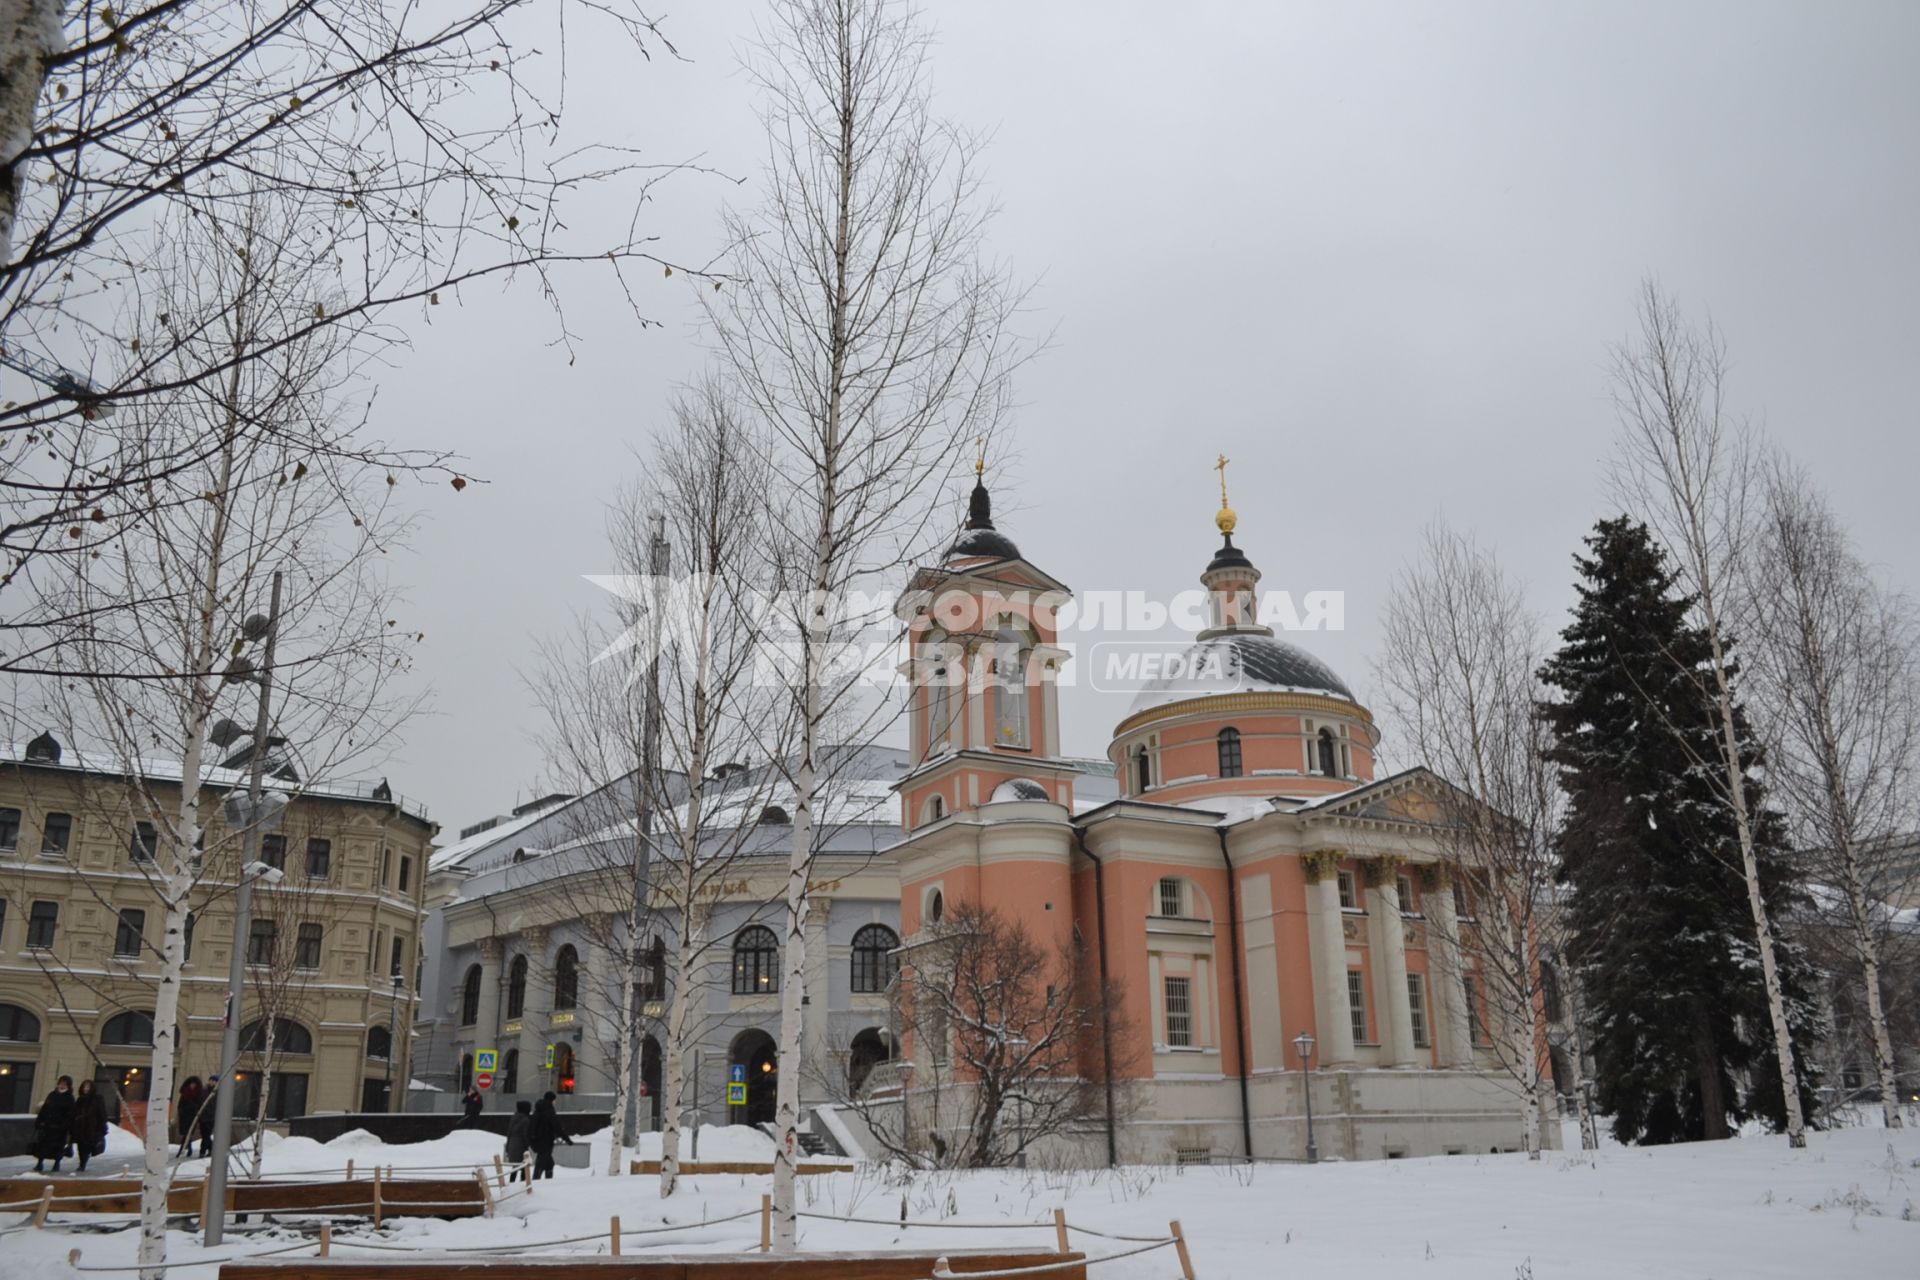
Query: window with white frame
{"type": "Point", "coordinates": [1179, 993]}
{"type": "Point", "coordinates": [1349, 899]}
{"type": "Point", "coordinates": [1417, 1008]}
{"type": "Point", "coordinates": [1170, 904]}
{"type": "Point", "coordinates": [1012, 647]}
{"type": "Point", "coordinates": [1404, 887]}
{"type": "Point", "coordinates": [1357, 1004]}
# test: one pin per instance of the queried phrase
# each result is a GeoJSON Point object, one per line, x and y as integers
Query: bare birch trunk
{"type": "Point", "coordinates": [30, 33]}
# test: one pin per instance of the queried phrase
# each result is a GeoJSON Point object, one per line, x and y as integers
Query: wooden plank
{"type": "Point", "coordinates": [1180, 1246]}
{"type": "Point", "coordinates": [650, 1266]}
{"type": "Point", "coordinates": [436, 1198]}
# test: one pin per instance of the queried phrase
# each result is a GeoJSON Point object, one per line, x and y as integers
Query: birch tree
{"type": "Point", "coordinates": [1833, 659]}
{"type": "Point", "coordinates": [869, 338]}
{"type": "Point", "coordinates": [199, 562]}
{"type": "Point", "coordinates": [685, 629]}
{"type": "Point", "coordinates": [1458, 666]}
{"type": "Point", "coordinates": [1685, 466]}
{"type": "Point", "coordinates": [422, 148]}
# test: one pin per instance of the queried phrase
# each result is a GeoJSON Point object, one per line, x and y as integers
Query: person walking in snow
{"type": "Point", "coordinates": [545, 1132]}
{"type": "Point", "coordinates": [519, 1136]}
{"type": "Point", "coordinates": [53, 1127]}
{"type": "Point", "coordinates": [89, 1128]}
{"type": "Point", "coordinates": [188, 1116]}
{"type": "Point", "coordinates": [471, 1105]}
{"type": "Point", "coordinates": [209, 1110]}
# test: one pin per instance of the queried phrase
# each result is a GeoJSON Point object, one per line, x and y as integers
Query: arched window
{"type": "Point", "coordinates": [774, 816]}
{"type": "Point", "coordinates": [936, 907]}
{"type": "Point", "coordinates": [510, 1072]}
{"type": "Point", "coordinates": [566, 978]}
{"type": "Point", "coordinates": [869, 1049]}
{"type": "Point", "coordinates": [466, 1072]}
{"type": "Point", "coordinates": [470, 997]}
{"type": "Point", "coordinates": [1142, 771]}
{"type": "Point", "coordinates": [1012, 647]}
{"type": "Point", "coordinates": [379, 1043]}
{"type": "Point", "coordinates": [1329, 762]}
{"type": "Point", "coordinates": [653, 976]}
{"type": "Point", "coordinates": [756, 962]}
{"type": "Point", "coordinates": [940, 669]}
{"type": "Point", "coordinates": [128, 1029]}
{"type": "Point", "coordinates": [18, 1025]}
{"type": "Point", "coordinates": [874, 963]}
{"type": "Point", "coordinates": [936, 808]}
{"type": "Point", "coordinates": [517, 987]}
{"type": "Point", "coordinates": [288, 1037]}
{"type": "Point", "coordinates": [1229, 743]}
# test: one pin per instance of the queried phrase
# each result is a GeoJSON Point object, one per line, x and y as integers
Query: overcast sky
{"type": "Point", "coordinates": [1374, 253]}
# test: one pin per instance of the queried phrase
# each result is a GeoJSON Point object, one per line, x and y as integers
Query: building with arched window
{"type": "Point", "coordinates": [79, 845]}
{"type": "Point", "coordinates": [526, 934]}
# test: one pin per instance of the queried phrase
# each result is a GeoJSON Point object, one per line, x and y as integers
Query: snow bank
{"type": "Point", "coordinates": [1746, 1207]}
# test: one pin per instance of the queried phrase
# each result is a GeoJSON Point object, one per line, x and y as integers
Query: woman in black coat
{"type": "Point", "coordinates": [89, 1123]}
{"type": "Point", "coordinates": [543, 1133]}
{"type": "Point", "coordinates": [53, 1126]}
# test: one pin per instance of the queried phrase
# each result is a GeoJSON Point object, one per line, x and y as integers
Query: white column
{"type": "Point", "coordinates": [1324, 922]}
{"type": "Point", "coordinates": [1444, 974]}
{"type": "Point", "coordinates": [815, 1049]}
{"type": "Point", "coordinates": [486, 1023]}
{"type": "Point", "coordinates": [1390, 956]}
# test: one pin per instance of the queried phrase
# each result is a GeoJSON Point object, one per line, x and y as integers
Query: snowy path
{"type": "Point", "coordinates": [1850, 1206]}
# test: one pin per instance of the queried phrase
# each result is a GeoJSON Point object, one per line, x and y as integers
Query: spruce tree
{"type": "Point", "coordinates": [1660, 930]}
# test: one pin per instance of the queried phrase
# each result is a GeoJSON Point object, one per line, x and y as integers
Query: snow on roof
{"type": "Point", "coordinates": [457, 853]}
{"type": "Point", "coordinates": [160, 769]}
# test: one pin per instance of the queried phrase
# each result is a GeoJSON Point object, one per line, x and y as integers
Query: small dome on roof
{"type": "Point", "coordinates": [978, 538]}
{"type": "Point", "coordinates": [1240, 663]}
{"type": "Point", "coordinates": [1018, 789]}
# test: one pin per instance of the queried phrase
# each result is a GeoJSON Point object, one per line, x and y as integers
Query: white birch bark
{"type": "Point", "coordinates": [30, 33]}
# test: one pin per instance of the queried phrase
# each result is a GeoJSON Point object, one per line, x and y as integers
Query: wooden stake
{"type": "Point", "coordinates": [46, 1205]}
{"type": "Point", "coordinates": [376, 1196]}
{"type": "Point", "coordinates": [326, 1239]}
{"type": "Point", "coordinates": [1180, 1247]}
{"type": "Point", "coordinates": [766, 1224]}
{"type": "Point", "coordinates": [486, 1192]}
{"type": "Point", "coordinates": [1060, 1229]}
{"type": "Point", "coordinates": [613, 1233]}
{"type": "Point", "coordinates": [526, 1171]}
{"type": "Point", "coordinates": [206, 1199]}
{"type": "Point", "coordinates": [349, 1170]}
{"type": "Point", "coordinates": [500, 1171]}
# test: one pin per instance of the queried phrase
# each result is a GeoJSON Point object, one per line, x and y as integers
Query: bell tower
{"type": "Point", "coordinates": [983, 665]}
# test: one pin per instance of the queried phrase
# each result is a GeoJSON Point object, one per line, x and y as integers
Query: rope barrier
{"type": "Point", "coordinates": [899, 1222]}
{"type": "Point", "coordinates": [625, 1232]}
{"type": "Point", "coordinates": [1114, 1235]}
{"type": "Point", "coordinates": [198, 1262]}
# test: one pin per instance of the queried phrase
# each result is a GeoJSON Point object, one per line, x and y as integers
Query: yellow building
{"type": "Point", "coordinates": [332, 951]}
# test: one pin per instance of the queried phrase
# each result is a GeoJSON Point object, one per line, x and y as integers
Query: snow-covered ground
{"type": "Point", "coordinates": [1849, 1206]}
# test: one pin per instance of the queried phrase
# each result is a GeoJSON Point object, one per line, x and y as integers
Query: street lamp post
{"type": "Point", "coordinates": [393, 1039]}
{"type": "Point", "coordinates": [216, 1217]}
{"type": "Point", "coordinates": [1304, 1044]}
{"type": "Point", "coordinates": [254, 817]}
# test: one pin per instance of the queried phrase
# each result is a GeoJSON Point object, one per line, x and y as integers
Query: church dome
{"type": "Point", "coordinates": [1240, 662]}
{"type": "Point", "coordinates": [976, 543]}
{"type": "Point", "coordinates": [978, 539]}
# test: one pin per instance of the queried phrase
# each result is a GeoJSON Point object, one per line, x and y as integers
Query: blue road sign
{"type": "Point", "coordinates": [739, 1075]}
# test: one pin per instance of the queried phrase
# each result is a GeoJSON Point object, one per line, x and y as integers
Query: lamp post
{"type": "Point", "coordinates": [393, 1039]}
{"type": "Point", "coordinates": [252, 817]}
{"type": "Point", "coordinates": [1304, 1044]}
{"type": "Point", "coordinates": [216, 1218]}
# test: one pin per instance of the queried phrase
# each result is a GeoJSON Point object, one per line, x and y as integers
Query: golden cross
{"type": "Point", "coordinates": [1221, 467]}
{"type": "Point", "coordinates": [980, 455]}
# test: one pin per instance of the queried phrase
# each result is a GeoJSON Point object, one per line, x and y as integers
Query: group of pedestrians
{"type": "Point", "coordinates": [534, 1127]}
{"type": "Point", "coordinates": [69, 1123]}
{"type": "Point", "coordinates": [74, 1122]}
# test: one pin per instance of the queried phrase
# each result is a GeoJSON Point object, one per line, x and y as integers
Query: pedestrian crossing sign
{"type": "Point", "coordinates": [486, 1060]}
{"type": "Point", "coordinates": [737, 1095]}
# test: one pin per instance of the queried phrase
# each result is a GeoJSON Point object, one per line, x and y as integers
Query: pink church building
{"type": "Point", "coordinates": [1255, 878]}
